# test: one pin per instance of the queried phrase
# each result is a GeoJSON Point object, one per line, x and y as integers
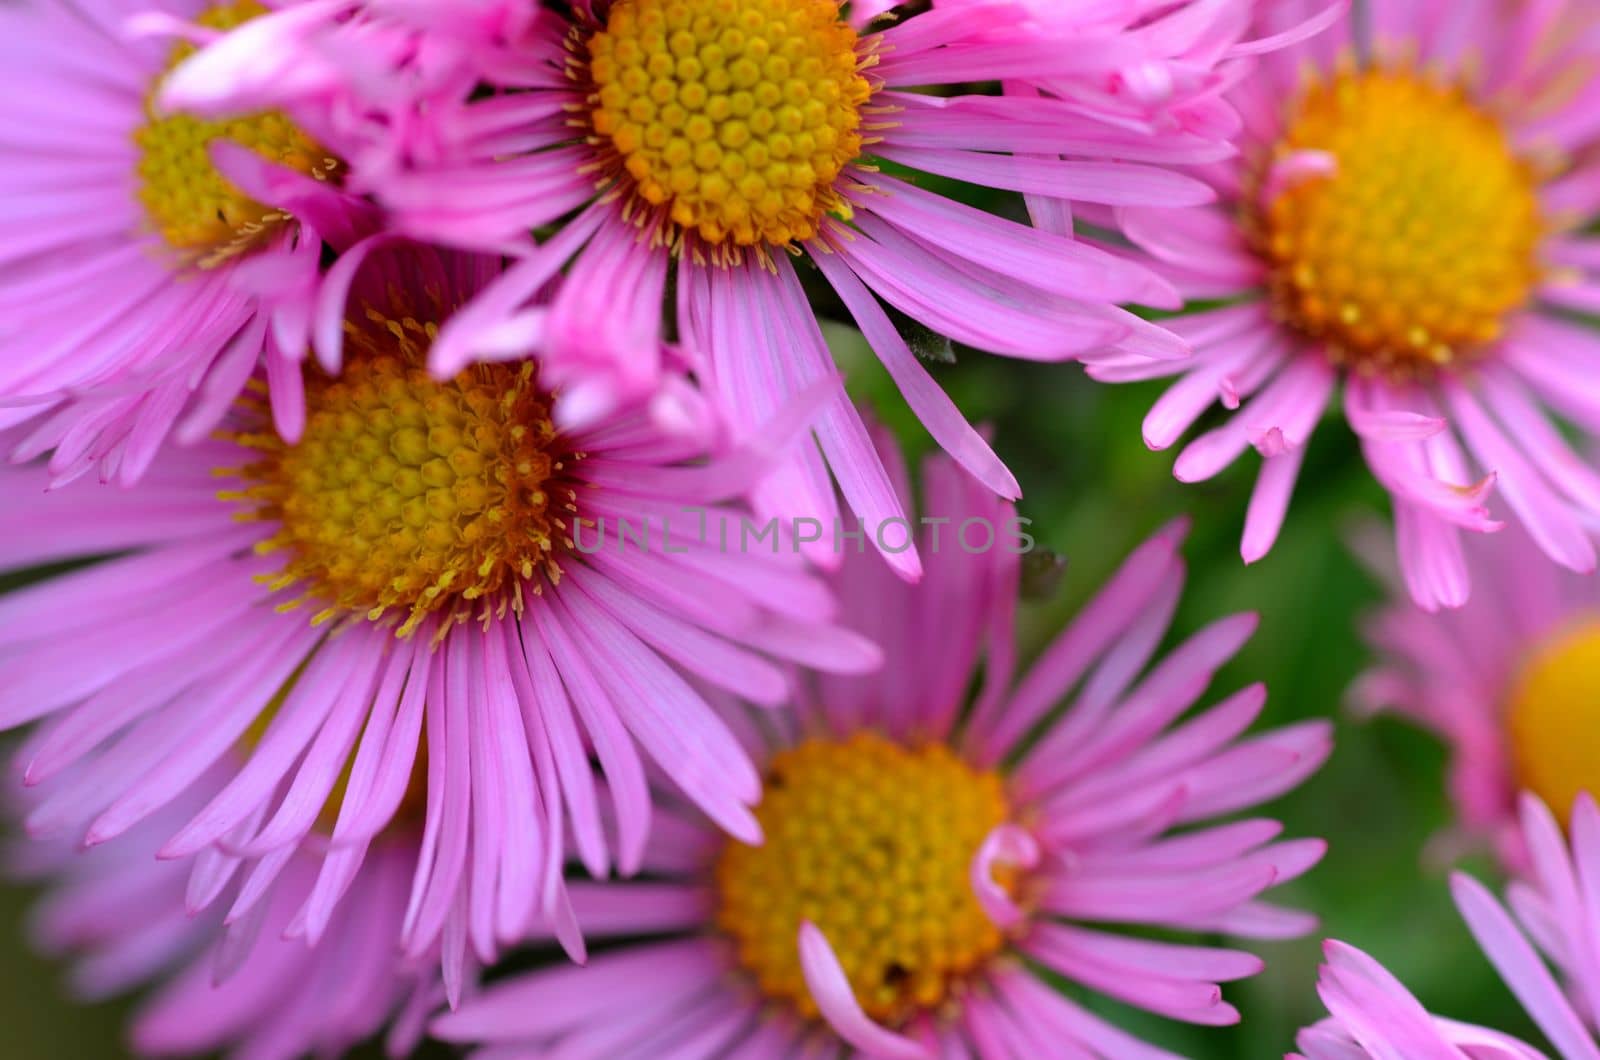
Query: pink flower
{"type": "Point", "coordinates": [705, 158]}
{"type": "Point", "coordinates": [923, 848]}
{"type": "Point", "coordinates": [1511, 682]}
{"type": "Point", "coordinates": [147, 261]}
{"type": "Point", "coordinates": [1427, 279]}
{"type": "Point", "coordinates": [464, 654]}
{"type": "Point", "coordinates": [240, 979]}
{"type": "Point", "coordinates": [1373, 1015]}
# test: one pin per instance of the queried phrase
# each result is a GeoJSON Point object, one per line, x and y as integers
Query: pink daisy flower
{"type": "Point", "coordinates": [147, 260]}
{"type": "Point", "coordinates": [241, 982]}
{"type": "Point", "coordinates": [467, 650]}
{"type": "Point", "coordinates": [1556, 915]}
{"type": "Point", "coordinates": [680, 157]}
{"type": "Point", "coordinates": [922, 850]}
{"type": "Point", "coordinates": [1406, 217]}
{"type": "Point", "coordinates": [1511, 681]}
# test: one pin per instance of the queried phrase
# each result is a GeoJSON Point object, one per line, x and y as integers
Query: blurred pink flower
{"type": "Point", "coordinates": [1510, 681]}
{"type": "Point", "coordinates": [239, 980]}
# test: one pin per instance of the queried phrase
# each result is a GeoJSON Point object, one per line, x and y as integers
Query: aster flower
{"type": "Point", "coordinates": [237, 982]}
{"type": "Point", "coordinates": [1406, 217]}
{"type": "Point", "coordinates": [922, 851]}
{"type": "Point", "coordinates": [708, 145]}
{"type": "Point", "coordinates": [1510, 682]}
{"type": "Point", "coordinates": [148, 261]}
{"type": "Point", "coordinates": [465, 650]}
{"type": "Point", "coordinates": [1373, 1015]}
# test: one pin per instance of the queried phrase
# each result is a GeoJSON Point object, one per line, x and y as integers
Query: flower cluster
{"type": "Point", "coordinates": [390, 391]}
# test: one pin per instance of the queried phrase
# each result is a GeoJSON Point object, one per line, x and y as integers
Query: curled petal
{"type": "Point", "coordinates": [830, 988]}
{"type": "Point", "coordinates": [1009, 845]}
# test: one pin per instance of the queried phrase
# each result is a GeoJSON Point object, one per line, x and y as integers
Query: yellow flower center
{"type": "Point", "coordinates": [410, 495]}
{"type": "Point", "coordinates": [1412, 250]}
{"type": "Point", "coordinates": [1553, 717]}
{"type": "Point", "coordinates": [730, 119]}
{"type": "Point", "coordinates": [872, 842]}
{"type": "Point", "coordinates": [197, 211]}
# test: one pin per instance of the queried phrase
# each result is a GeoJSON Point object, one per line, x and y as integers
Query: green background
{"type": "Point", "coordinates": [1093, 492]}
